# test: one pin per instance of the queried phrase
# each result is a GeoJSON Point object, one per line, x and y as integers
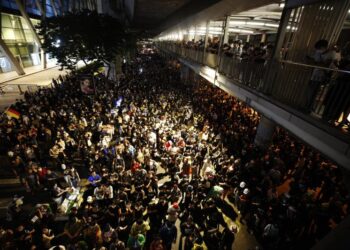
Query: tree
{"type": "Point", "coordinates": [84, 36]}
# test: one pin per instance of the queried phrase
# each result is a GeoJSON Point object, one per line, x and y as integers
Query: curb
{"type": "Point", "coordinates": [19, 77]}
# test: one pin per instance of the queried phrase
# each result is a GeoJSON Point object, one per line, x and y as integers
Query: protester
{"type": "Point", "coordinates": [152, 152]}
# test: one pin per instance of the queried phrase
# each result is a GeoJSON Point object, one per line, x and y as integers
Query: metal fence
{"type": "Point", "coordinates": [288, 82]}
{"type": "Point", "coordinates": [20, 88]}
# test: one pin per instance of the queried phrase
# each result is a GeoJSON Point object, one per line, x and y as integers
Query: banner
{"type": "Point", "coordinates": [13, 113]}
{"type": "Point", "coordinates": [87, 85]}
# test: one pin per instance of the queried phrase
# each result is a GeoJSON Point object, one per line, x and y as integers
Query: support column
{"type": "Point", "coordinates": [248, 38]}
{"type": "Point", "coordinates": [43, 58]}
{"type": "Point", "coordinates": [346, 178]}
{"type": "Point", "coordinates": [206, 41]}
{"type": "Point", "coordinates": [70, 7]}
{"type": "Point", "coordinates": [222, 41]}
{"type": "Point", "coordinates": [263, 37]}
{"type": "Point", "coordinates": [42, 51]}
{"type": "Point", "coordinates": [99, 6]}
{"type": "Point", "coordinates": [265, 131]}
{"type": "Point", "coordinates": [184, 73]}
{"type": "Point", "coordinates": [17, 66]}
{"type": "Point", "coordinates": [226, 31]}
{"type": "Point", "coordinates": [281, 32]}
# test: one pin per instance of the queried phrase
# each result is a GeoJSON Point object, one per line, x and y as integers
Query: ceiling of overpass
{"type": "Point", "coordinates": [149, 13]}
{"type": "Point", "coordinates": [215, 11]}
{"type": "Point", "coordinates": [157, 16]}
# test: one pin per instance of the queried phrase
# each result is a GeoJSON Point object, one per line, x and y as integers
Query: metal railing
{"type": "Point", "coordinates": [20, 88]}
{"type": "Point", "coordinates": [290, 83]}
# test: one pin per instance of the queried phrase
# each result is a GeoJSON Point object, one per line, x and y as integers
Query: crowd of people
{"type": "Point", "coordinates": [234, 49]}
{"type": "Point", "coordinates": [163, 160]}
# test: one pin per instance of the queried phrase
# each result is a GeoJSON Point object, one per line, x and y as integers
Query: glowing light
{"type": "Point", "coordinates": [271, 25]}
{"type": "Point", "coordinates": [256, 23]}
{"type": "Point", "coordinates": [240, 31]}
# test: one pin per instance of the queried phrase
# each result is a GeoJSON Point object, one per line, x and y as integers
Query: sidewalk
{"type": "Point", "coordinates": [35, 76]}
{"type": "Point", "coordinates": [6, 77]}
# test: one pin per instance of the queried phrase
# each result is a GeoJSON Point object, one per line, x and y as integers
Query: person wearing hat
{"type": "Point", "coordinates": [89, 200]}
{"type": "Point", "coordinates": [173, 212]}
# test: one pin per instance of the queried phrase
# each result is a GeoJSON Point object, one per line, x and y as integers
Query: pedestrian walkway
{"type": "Point", "coordinates": [14, 86]}
{"type": "Point", "coordinates": [12, 75]}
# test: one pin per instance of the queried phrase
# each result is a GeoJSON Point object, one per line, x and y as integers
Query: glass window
{"type": "Point", "coordinates": [5, 65]}
{"type": "Point", "coordinates": [33, 48]}
{"type": "Point", "coordinates": [13, 49]}
{"type": "Point", "coordinates": [10, 4]}
{"type": "Point", "coordinates": [26, 60]}
{"type": "Point", "coordinates": [8, 34]}
{"type": "Point", "coordinates": [49, 10]}
{"type": "Point", "coordinates": [31, 7]}
{"type": "Point", "coordinates": [15, 21]}
{"type": "Point", "coordinates": [19, 35]}
{"type": "Point", "coordinates": [24, 24]}
{"type": "Point", "coordinates": [29, 36]}
{"type": "Point", "coordinates": [23, 50]}
{"type": "Point", "coordinates": [5, 21]}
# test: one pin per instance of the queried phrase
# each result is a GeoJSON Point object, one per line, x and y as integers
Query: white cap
{"type": "Point", "coordinates": [234, 228]}
{"type": "Point", "coordinates": [242, 184]}
{"type": "Point", "coordinates": [19, 202]}
{"type": "Point", "coordinates": [10, 154]}
{"type": "Point", "coordinates": [89, 199]}
{"type": "Point", "coordinates": [246, 191]}
{"type": "Point", "coordinates": [63, 166]}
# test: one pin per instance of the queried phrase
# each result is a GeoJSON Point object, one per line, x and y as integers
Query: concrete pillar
{"type": "Point", "coordinates": [346, 178]}
{"type": "Point", "coordinates": [282, 29]}
{"type": "Point", "coordinates": [226, 27]}
{"type": "Point", "coordinates": [16, 65]}
{"type": "Point", "coordinates": [265, 131]}
{"type": "Point", "coordinates": [206, 40]}
{"type": "Point", "coordinates": [248, 38]}
{"type": "Point", "coordinates": [184, 73]}
{"type": "Point", "coordinates": [43, 59]}
{"type": "Point", "coordinates": [100, 6]}
{"type": "Point", "coordinates": [263, 38]}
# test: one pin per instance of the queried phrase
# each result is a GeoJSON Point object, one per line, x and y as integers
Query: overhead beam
{"type": "Point", "coordinates": [191, 15]}
{"type": "Point", "coordinates": [39, 6]}
{"type": "Point", "coordinates": [54, 7]}
{"type": "Point", "coordinates": [18, 68]}
{"type": "Point", "coordinates": [61, 6]}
